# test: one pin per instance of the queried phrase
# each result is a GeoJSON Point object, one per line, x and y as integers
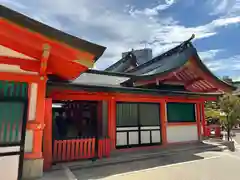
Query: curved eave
{"type": "Point", "coordinates": [51, 33]}
{"type": "Point", "coordinates": [223, 85]}
{"type": "Point", "coordinates": [192, 61]}
{"type": "Point", "coordinates": [164, 64]}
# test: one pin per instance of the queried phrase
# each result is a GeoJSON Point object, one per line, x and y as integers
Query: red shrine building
{"type": "Point", "coordinates": [55, 108]}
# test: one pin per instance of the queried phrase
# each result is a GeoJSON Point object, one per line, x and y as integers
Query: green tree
{"type": "Point", "coordinates": [230, 105]}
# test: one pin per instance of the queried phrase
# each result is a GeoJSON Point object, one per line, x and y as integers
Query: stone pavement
{"type": "Point", "coordinates": [215, 167]}
{"type": "Point", "coordinates": [141, 164]}
{"type": "Point", "coordinates": [124, 157]}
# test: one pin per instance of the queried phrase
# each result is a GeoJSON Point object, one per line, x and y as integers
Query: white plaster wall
{"type": "Point", "coordinates": [33, 102]}
{"type": "Point", "coordinates": [28, 141]}
{"type": "Point", "coordinates": [9, 164]}
{"type": "Point", "coordinates": [31, 116]}
{"type": "Point", "coordinates": [182, 133]}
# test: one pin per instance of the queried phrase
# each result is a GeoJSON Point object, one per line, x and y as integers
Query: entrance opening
{"type": "Point", "coordinates": [79, 130]}
{"type": "Point", "coordinates": [75, 119]}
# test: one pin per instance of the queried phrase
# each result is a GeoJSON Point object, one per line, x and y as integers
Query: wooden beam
{"type": "Point", "coordinates": [24, 64]}
{"type": "Point", "coordinates": [160, 78]}
{"type": "Point", "coordinates": [189, 83]}
{"type": "Point", "coordinates": [20, 46]}
{"type": "Point", "coordinates": [9, 76]}
{"type": "Point", "coordinates": [78, 97]}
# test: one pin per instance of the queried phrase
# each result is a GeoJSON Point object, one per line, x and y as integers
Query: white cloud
{"type": "Point", "coordinates": [215, 64]}
{"type": "Point", "coordinates": [210, 54]}
{"type": "Point", "coordinates": [106, 23]}
{"type": "Point", "coordinates": [225, 8]}
{"type": "Point", "coordinates": [220, 6]}
{"type": "Point", "coordinates": [154, 10]}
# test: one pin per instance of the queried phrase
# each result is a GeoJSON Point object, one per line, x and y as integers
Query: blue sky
{"type": "Point", "coordinates": [121, 25]}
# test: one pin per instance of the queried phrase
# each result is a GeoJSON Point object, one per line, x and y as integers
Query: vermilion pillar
{"type": "Point", "coordinates": [198, 119]}
{"type": "Point", "coordinates": [203, 119]}
{"type": "Point", "coordinates": [47, 142]}
{"type": "Point", "coordinates": [100, 117]}
{"type": "Point", "coordinates": [37, 124]}
{"type": "Point", "coordinates": [163, 121]}
{"type": "Point", "coordinates": [112, 121]}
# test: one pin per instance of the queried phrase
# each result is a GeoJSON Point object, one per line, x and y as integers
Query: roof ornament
{"type": "Point", "coordinates": [186, 43]}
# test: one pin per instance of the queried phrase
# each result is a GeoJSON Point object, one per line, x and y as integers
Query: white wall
{"type": "Point", "coordinates": [31, 116]}
{"type": "Point", "coordinates": [9, 164]}
{"type": "Point", "coordinates": [182, 133]}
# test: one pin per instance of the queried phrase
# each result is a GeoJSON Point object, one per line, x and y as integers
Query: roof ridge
{"type": "Point", "coordinates": [170, 52]}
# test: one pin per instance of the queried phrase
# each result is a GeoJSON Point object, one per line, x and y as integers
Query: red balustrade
{"type": "Point", "coordinates": [75, 149]}
{"type": "Point", "coordinates": [104, 147]}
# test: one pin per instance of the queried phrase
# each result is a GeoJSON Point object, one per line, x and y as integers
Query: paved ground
{"type": "Point", "coordinates": [237, 137]}
{"type": "Point", "coordinates": [202, 166]}
{"type": "Point", "coordinates": [184, 166]}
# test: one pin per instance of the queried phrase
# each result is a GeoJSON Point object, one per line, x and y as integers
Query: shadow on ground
{"type": "Point", "coordinates": [146, 163]}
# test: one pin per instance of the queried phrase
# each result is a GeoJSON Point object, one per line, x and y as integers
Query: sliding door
{"type": "Point", "coordinates": [138, 124]}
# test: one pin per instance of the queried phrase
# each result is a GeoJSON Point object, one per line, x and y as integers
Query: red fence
{"type": "Point", "coordinates": [68, 150]}
{"type": "Point", "coordinates": [104, 147]}
{"type": "Point", "coordinates": [217, 131]}
{"type": "Point", "coordinates": [76, 149]}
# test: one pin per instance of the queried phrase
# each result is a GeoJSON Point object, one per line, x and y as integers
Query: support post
{"type": "Point", "coordinates": [40, 110]}
{"type": "Point", "coordinates": [203, 119]}
{"type": "Point", "coordinates": [198, 119]}
{"type": "Point", "coordinates": [47, 135]}
{"type": "Point", "coordinates": [99, 117]}
{"type": "Point", "coordinates": [163, 121]}
{"type": "Point", "coordinates": [112, 122]}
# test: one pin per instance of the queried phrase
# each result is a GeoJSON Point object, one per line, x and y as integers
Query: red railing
{"type": "Point", "coordinates": [75, 149]}
{"type": "Point", "coordinates": [216, 129]}
{"type": "Point", "coordinates": [104, 147]}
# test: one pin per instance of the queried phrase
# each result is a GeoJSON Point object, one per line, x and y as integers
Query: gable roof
{"type": "Point", "coordinates": [123, 64]}
{"type": "Point", "coordinates": [183, 61]}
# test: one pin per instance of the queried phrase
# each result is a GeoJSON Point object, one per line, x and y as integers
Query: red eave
{"type": "Point", "coordinates": [61, 59]}
{"type": "Point", "coordinates": [193, 77]}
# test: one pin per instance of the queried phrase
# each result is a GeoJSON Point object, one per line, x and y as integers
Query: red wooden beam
{"type": "Point", "coordinates": [160, 78]}
{"type": "Point", "coordinates": [19, 77]}
{"type": "Point", "coordinates": [25, 64]}
{"type": "Point", "coordinates": [98, 96]}
{"type": "Point", "coordinates": [20, 46]}
{"type": "Point", "coordinates": [78, 97]}
{"type": "Point", "coordinates": [189, 83]}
